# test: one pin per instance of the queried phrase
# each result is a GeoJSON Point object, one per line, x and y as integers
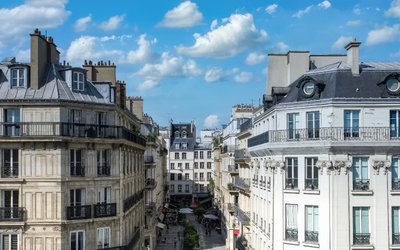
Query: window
{"type": "Point", "coordinates": [172, 177]}
{"type": "Point", "coordinates": [77, 201]}
{"type": "Point", "coordinates": [313, 124]}
{"type": "Point", "coordinates": [291, 173]}
{"type": "Point", "coordinates": [291, 232]}
{"type": "Point", "coordinates": [9, 202]}
{"type": "Point", "coordinates": [360, 173]}
{"type": "Point", "coordinates": [293, 125]}
{"type": "Point", "coordinates": [208, 175]}
{"type": "Point", "coordinates": [10, 163]}
{"type": "Point", "coordinates": [351, 123]}
{"type": "Point", "coordinates": [104, 195]}
{"type": "Point", "coordinates": [361, 233]}
{"type": "Point", "coordinates": [208, 165]}
{"type": "Point", "coordinates": [184, 156]}
{"type": "Point", "coordinates": [187, 188]}
{"type": "Point", "coordinates": [201, 154]}
{"type": "Point", "coordinates": [196, 187]}
{"type": "Point", "coordinates": [311, 173]}
{"type": "Point", "coordinates": [196, 154]}
{"type": "Point", "coordinates": [201, 187]}
{"type": "Point", "coordinates": [103, 164]}
{"type": "Point", "coordinates": [172, 188]}
{"type": "Point", "coordinates": [11, 122]}
{"type": "Point", "coordinates": [395, 225]}
{"type": "Point", "coordinates": [184, 134]}
{"type": "Point", "coordinates": [77, 240]}
{"type": "Point", "coordinates": [78, 81]}
{"type": "Point", "coordinates": [187, 166]}
{"type": "Point", "coordinates": [77, 197]}
{"type": "Point", "coordinates": [18, 77]}
{"type": "Point", "coordinates": [311, 234]}
{"type": "Point", "coordinates": [76, 165]}
{"type": "Point", "coordinates": [176, 155]}
{"type": "Point", "coordinates": [201, 164]}
{"type": "Point", "coordinates": [180, 165]}
{"type": "Point", "coordinates": [196, 165]}
{"type": "Point", "coordinates": [179, 188]}
{"type": "Point", "coordinates": [103, 237]}
{"type": "Point", "coordinates": [184, 145]}
{"type": "Point", "coordinates": [209, 154]}
{"type": "Point", "coordinates": [172, 166]}
{"type": "Point", "coordinates": [394, 123]}
{"type": "Point", "coordinates": [196, 176]}
{"type": "Point", "coordinates": [177, 135]}
{"type": "Point", "coordinates": [201, 176]}
{"type": "Point", "coordinates": [9, 242]}
{"type": "Point", "coordinates": [186, 177]}
{"type": "Point", "coordinates": [177, 146]}
{"type": "Point", "coordinates": [179, 177]}
{"type": "Point", "coordinates": [395, 173]}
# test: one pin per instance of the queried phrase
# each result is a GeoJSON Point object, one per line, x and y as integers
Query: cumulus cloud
{"type": "Point", "coordinates": [357, 9]}
{"type": "Point", "coordinates": [353, 23]}
{"type": "Point", "coordinates": [281, 46]}
{"type": "Point", "coordinates": [255, 58]}
{"type": "Point", "coordinates": [394, 10]}
{"type": "Point", "coordinates": [383, 35]}
{"type": "Point", "coordinates": [213, 24]}
{"type": "Point", "coordinates": [143, 53]}
{"type": "Point", "coordinates": [82, 23]}
{"type": "Point", "coordinates": [341, 42]}
{"type": "Point", "coordinates": [186, 14]}
{"type": "Point", "coordinates": [216, 74]}
{"type": "Point", "coordinates": [244, 77]}
{"type": "Point", "coordinates": [211, 121]}
{"type": "Point", "coordinates": [112, 23]}
{"type": "Point", "coordinates": [24, 18]}
{"type": "Point", "coordinates": [236, 34]}
{"type": "Point", "coordinates": [301, 13]}
{"type": "Point", "coordinates": [325, 5]}
{"type": "Point", "coordinates": [90, 48]}
{"type": "Point", "coordinates": [271, 8]}
{"type": "Point", "coordinates": [168, 67]}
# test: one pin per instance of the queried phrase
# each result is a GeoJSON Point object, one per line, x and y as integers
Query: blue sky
{"type": "Point", "coordinates": [194, 60]}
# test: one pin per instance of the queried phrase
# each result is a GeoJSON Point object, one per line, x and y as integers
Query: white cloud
{"type": "Point", "coordinates": [281, 46]}
{"type": "Point", "coordinates": [18, 21]}
{"type": "Point", "coordinates": [214, 24]}
{"type": "Point", "coordinates": [271, 8]}
{"type": "Point", "coordinates": [325, 4]}
{"type": "Point", "coordinates": [341, 42]}
{"type": "Point", "coordinates": [143, 53]}
{"type": "Point", "coordinates": [301, 13]}
{"type": "Point", "coordinates": [89, 48]}
{"type": "Point", "coordinates": [244, 77]}
{"type": "Point", "coordinates": [216, 74]}
{"type": "Point", "coordinates": [353, 23]}
{"type": "Point", "coordinates": [168, 67]}
{"type": "Point", "coordinates": [112, 23]}
{"type": "Point", "coordinates": [23, 55]}
{"type": "Point", "coordinates": [236, 34]}
{"type": "Point", "coordinates": [394, 10]}
{"type": "Point", "coordinates": [357, 9]}
{"type": "Point", "coordinates": [255, 58]}
{"type": "Point", "coordinates": [186, 14]}
{"type": "Point", "coordinates": [383, 35]}
{"type": "Point", "coordinates": [82, 23]}
{"type": "Point", "coordinates": [211, 121]}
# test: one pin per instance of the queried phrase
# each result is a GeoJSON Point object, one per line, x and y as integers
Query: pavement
{"type": "Point", "coordinates": [171, 239]}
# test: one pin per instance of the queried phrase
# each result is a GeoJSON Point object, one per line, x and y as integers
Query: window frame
{"type": "Point", "coordinates": [104, 231]}
{"type": "Point", "coordinates": [313, 182]}
{"type": "Point", "coordinates": [78, 81]}
{"type": "Point", "coordinates": [313, 124]}
{"type": "Point", "coordinates": [15, 81]}
{"type": "Point", "coordinates": [292, 171]}
{"type": "Point", "coordinates": [77, 234]}
{"type": "Point", "coordinates": [293, 124]}
{"type": "Point", "coordinates": [351, 125]}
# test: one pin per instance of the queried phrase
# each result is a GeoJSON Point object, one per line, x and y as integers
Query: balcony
{"type": "Point", "coordinates": [311, 236]}
{"type": "Point", "coordinates": [105, 210]}
{"type": "Point", "coordinates": [233, 169]}
{"type": "Point", "coordinates": [241, 243]}
{"type": "Point", "coordinates": [231, 207]}
{"type": "Point", "coordinates": [243, 217]}
{"type": "Point", "coordinates": [396, 239]}
{"type": "Point", "coordinates": [9, 172]}
{"type": "Point", "coordinates": [396, 184]}
{"type": "Point", "coordinates": [361, 185]}
{"type": "Point", "coordinates": [292, 183]}
{"type": "Point", "coordinates": [12, 213]}
{"type": "Point", "coordinates": [73, 130]}
{"type": "Point", "coordinates": [228, 149]}
{"type": "Point", "coordinates": [150, 183]}
{"type": "Point", "coordinates": [149, 161]}
{"type": "Point", "coordinates": [361, 239]}
{"type": "Point", "coordinates": [241, 183]}
{"type": "Point", "coordinates": [242, 155]}
{"type": "Point", "coordinates": [291, 234]}
{"type": "Point", "coordinates": [132, 200]}
{"type": "Point", "coordinates": [258, 140]}
{"type": "Point", "coordinates": [79, 212]}
{"type": "Point", "coordinates": [311, 183]}
{"type": "Point", "coordinates": [103, 170]}
{"type": "Point", "coordinates": [78, 170]}
{"type": "Point", "coordinates": [150, 207]}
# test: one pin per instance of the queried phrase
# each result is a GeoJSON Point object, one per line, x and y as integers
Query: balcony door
{"type": "Point", "coordinates": [293, 126]}
{"type": "Point", "coordinates": [77, 200]}
{"type": "Point", "coordinates": [104, 195]}
{"type": "Point", "coordinates": [10, 163]}
{"type": "Point", "coordinates": [76, 166]}
{"type": "Point", "coordinates": [351, 123]}
{"type": "Point", "coordinates": [313, 125]}
{"type": "Point", "coordinates": [74, 120]}
{"type": "Point", "coordinates": [10, 203]}
{"type": "Point", "coordinates": [12, 120]}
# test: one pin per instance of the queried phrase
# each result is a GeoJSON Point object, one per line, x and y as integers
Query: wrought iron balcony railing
{"type": "Point", "coordinates": [361, 185]}
{"type": "Point", "coordinates": [396, 184]}
{"type": "Point", "coordinates": [241, 154]}
{"type": "Point", "coordinates": [132, 200]}
{"type": "Point", "coordinates": [311, 184]}
{"type": "Point", "coordinates": [361, 239]}
{"type": "Point", "coordinates": [79, 212]}
{"type": "Point", "coordinates": [396, 238]}
{"type": "Point", "coordinates": [149, 159]}
{"type": "Point", "coordinates": [12, 213]}
{"type": "Point", "coordinates": [291, 234]}
{"type": "Point", "coordinates": [103, 170]}
{"type": "Point", "coordinates": [64, 129]}
{"type": "Point", "coordinates": [231, 207]}
{"type": "Point", "coordinates": [77, 170]}
{"type": "Point", "coordinates": [243, 217]}
{"type": "Point", "coordinates": [9, 172]}
{"type": "Point", "coordinates": [150, 207]}
{"type": "Point", "coordinates": [311, 236]}
{"type": "Point", "coordinates": [291, 183]}
{"type": "Point", "coordinates": [150, 183]}
{"type": "Point", "coordinates": [242, 183]}
{"type": "Point", "coordinates": [105, 210]}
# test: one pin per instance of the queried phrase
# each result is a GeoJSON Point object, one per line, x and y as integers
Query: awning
{"type": "Point", "coordinates": [160, 225]}
{"type": "Point", "coordinates": [186, 211]}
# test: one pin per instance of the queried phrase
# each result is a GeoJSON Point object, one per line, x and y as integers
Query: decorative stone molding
{"type": "Point", "coordinates": [339, 166]}
{"type": "Point", "coordinates": [384, 165]}
{"type": "Point", "coordinates": [327, 165]}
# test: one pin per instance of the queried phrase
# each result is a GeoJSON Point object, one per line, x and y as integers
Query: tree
{"type": "Point", "coordinates": [211, 185]}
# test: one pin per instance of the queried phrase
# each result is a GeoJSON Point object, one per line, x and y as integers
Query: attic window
{"type": "Point", "coordinates": [393, 85]}
{"type": "Point", "coordinates": [308, 88]}
{"type": "Point", "coordinates": [18, 77]}
{"type": "Point", "coordinates": [78, 81]}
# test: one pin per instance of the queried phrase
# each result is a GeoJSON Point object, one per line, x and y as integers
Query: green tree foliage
{"type": "Point", "coordinates": [191, 238]}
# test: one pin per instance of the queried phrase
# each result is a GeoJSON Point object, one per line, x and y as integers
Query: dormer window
{"type": "Point", "coordinates": [78, 81]}
{"type": "Point", "coordinates": [18, 77]}
{"type": "Point", "coordinates": [393, 85]}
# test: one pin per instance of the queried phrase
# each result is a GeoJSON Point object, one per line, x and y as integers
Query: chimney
{"type": "Point", "coordinates": [352, 56]}
{"type": "Point", "coordinates": [137, 106]}
{"type": "Point", "coordinates": [101, 72]}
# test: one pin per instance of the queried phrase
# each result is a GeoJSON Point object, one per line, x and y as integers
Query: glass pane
{"type": "Point", "coordinates": [309, 218]}
{"type": "Point", "coordinates": [356, 220]}
{"type": "Point", "coordinates": [6, 241]}
{"type": "Point", "coordinates": [395, 220]}
{"type": "Point", "coordinates": [80, 241]}
{"type": "Point", "coordinates": [73, 241]}
{"type": "Point", "coordinates": [356, 169]}
{"type": "Point", "coordinates": [364, 168]}
{"type": "Point", "coordinates": [316, 219]}
{"type": "Point", "coordinates": [395, 168]}
{"type": "Point", "coordinates": [365, 220]}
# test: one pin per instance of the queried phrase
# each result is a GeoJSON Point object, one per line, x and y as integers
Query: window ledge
{"type": "Point", "coordinates": [307, 191]}
{"type": "Point", "coordinates": [395, 192]}
{"type": "Point", "coordinates": [394, 247]}
{"type": "Point", "coordinates": [311, 244]}
{"type": "Point", "coordinates": [288, 242]}
{"type": "Point", "coordinates": [362, 247]}
{"type": "Point", "coordinates": [291, 191]}
{"type": "Point", "coordinates": [360, 192]}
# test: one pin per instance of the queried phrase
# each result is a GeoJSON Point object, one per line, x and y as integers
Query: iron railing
{"type": "Point", "coordinates": [150, 183]}
{"type": "Point", "coordinates": [233, 169]}
{"type": "Point", "coordinates": [258, 139]}
{"type": "Point", "coordinates": [291, 183]}
{"type": "Point", "coordinates": [132, 200]}
{"type": "Point", "coordinates": [241, 154]}
{"type": "Point", "coordinates": [64, 129]}
{"type": "Point", "coordinates": [79, 212]}
{"type": "Point", "coordinates": [396, 184]}
{"type": "Point", "coordinates": [9, 172]}
{"type": "Point", "coordinates": [361, 238]}
{"type": "Point", "coordinates": [150, 207]}
{"type": "Point", "coordinates": [243, 217]}
{"type": "Point", "coordinates": [77, 170]}
{"type": "Point", "coordinates": [231, 207]}
{"type": "Point", "coordinates": [246, 125]}
{"type": "Point", "coordinates": [291, 234]}
{"type": "Point", "coordinates": [311, 183]}
{"type": "Point", "coordinates": [105, 210]}
{"type": "Point", "coordinates": [361, 185]}
{"type": "Point", "coordinates": [242, 183]}
{"type": "Point", "coordinates": [103, 170]}
{"type": "Point", "coordinates": [396, 238]}
{"type": "Point", "coordinates": [311, 236]}
{"type": "Point", "coordinates": [149, 159]}
{"type": "Point", "coordinates": [12, 213]}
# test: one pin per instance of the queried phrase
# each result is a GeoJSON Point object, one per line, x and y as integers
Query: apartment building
{"type": "Point", "coordinates": [72, 168]}
{"type": "Point", "coordinates": [324, 154]}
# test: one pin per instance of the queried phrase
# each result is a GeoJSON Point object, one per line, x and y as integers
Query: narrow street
{"type": "Point", "coordinates": [213, 241]}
